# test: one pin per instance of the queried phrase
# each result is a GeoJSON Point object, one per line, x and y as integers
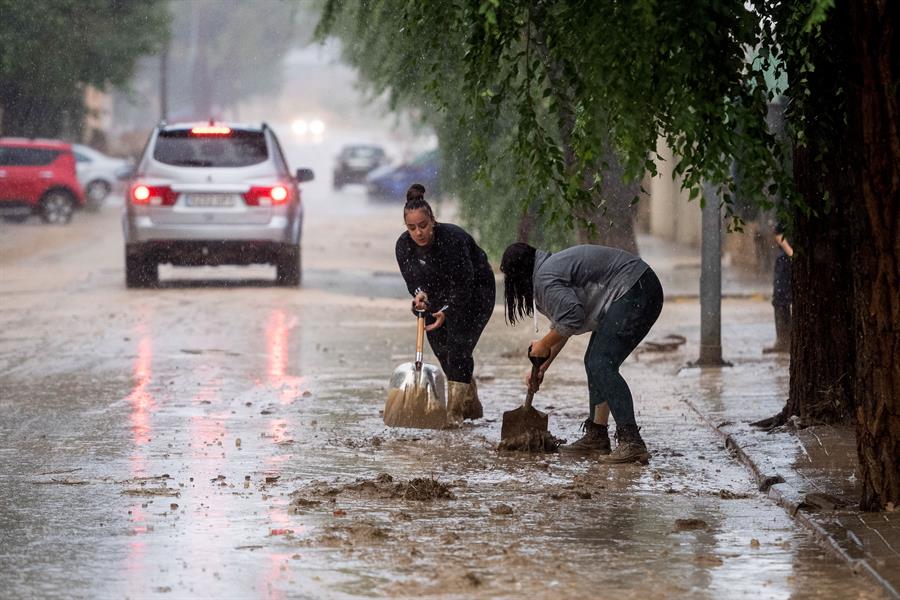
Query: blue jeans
{"type": "Point", "coordinates": [622, 328]}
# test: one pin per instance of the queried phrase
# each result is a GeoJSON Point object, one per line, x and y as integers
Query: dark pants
{"type": "Point", "coordinates": [782, 298]}
{"type": "Point", "coordinates": [624, 325]}
{"type": "Point", "coordinates": [454, 342]}
{"type": "Point", "coordinates": [781, 281]}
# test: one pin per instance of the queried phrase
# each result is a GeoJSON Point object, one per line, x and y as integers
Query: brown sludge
{"type": "Point", "coordinates": [383, 486]}
{"type": "Point", "coordinates": [408, 407]}
{"type": "Point", "coordinates": [532, 441]}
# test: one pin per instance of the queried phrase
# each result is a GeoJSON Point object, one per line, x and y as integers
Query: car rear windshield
{"type": "Point", "coordinates": [183, 148]}
{"type": "Point", "coordinates": [26, 157]}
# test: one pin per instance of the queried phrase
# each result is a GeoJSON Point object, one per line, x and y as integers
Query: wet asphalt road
{"type": "Point", "coordinates": [193, 441]}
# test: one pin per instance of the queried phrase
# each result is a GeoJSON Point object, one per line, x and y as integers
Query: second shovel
{"type": "Point", "coordinates": [525, 420]}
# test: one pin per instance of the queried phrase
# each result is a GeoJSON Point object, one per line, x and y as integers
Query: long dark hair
{"type": "Point", "coordinates": [415, 199]}
{"type": "Point", "coordinates": [517, 267]}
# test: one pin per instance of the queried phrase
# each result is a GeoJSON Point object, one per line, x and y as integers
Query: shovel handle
{"type": "Point", "coordinates": [536, 362]}
{"type": "Point", "coordinates": [420, 337]}
{"type": "Point", "coordinates": [530, 395]}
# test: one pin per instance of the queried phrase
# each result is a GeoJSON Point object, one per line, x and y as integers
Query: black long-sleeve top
{"type": "Point", "coordinates": [448, 270]}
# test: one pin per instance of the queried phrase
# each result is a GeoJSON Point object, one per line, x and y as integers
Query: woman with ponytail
{"type": "Point", "coordinates": [610, 293]}
{"type": "Point", "coordinates": [449, 276]}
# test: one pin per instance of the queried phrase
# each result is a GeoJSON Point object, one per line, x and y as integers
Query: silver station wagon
{"type": "Point", "coordinates": [213, 194]}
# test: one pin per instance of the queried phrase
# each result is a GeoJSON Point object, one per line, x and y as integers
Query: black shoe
{"type": "Point", "coordinates": [594, 441]}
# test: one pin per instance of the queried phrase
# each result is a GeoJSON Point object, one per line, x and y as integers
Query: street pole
{"type": "Point", "coordinates": [164, 83]}
{"type": "Point", "coordinates": [711, 281]}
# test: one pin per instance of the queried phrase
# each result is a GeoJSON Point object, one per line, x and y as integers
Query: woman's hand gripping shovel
{"type": "Point", "coordinates": [525, 428]}
{"type": "Point", "coordinates": [416, 396]}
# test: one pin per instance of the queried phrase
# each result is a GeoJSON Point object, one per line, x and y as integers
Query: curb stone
{"type": "Point", "coordinates": [784, 495]}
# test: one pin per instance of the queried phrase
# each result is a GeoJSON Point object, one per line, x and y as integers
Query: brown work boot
{"type": "Point", "coordinates": [471, 404]}
{"type": "Point", "coordinates": [630, 448]}
{"type": "Point", "coordinates": [456, 399]}
{"type": "Point", "coordinates": [594, 441]}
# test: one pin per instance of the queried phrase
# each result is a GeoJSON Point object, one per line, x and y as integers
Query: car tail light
{"type": "Point", "coordinates": [154, 195]}
{"type": "Point", "coordinates": [267, 195]}
{"type": "Point", "coordinates": [211, 130]}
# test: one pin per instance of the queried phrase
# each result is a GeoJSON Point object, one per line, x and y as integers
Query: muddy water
{"type": "Point", "coordinates": [409, 406]}
{"type": "Point", "coordinates": [214, 441]}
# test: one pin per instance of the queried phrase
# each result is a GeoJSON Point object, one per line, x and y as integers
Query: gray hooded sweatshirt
{"type": "Point", "coordinates": [575, 287]}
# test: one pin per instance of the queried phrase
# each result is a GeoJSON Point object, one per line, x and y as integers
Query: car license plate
{"type": "Point", "coordinates": [210, 200]}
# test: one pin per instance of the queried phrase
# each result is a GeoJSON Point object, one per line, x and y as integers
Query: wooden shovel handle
{"type": "Point", "coordinates": [420, 333]}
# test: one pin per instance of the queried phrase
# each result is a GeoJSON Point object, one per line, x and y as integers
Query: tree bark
{"type": "Point", "coordinates": [823, 351]}
{"type": "Point", "coordinates": [822, 342]}
{"type": "Point", "coordinates": [874, 124]}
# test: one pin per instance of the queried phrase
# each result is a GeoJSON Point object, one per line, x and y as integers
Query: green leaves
{"type": "Point", "coordinates": [550, 90]}
{"type": "Point", "coordinates": [50, 50]}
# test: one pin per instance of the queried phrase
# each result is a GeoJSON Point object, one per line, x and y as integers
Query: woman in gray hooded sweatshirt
{"type": "Point", "coordinates": [610, 293]}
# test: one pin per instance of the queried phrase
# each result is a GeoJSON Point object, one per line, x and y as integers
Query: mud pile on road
{"type": "Point", "coordinates": [532, 441]}
{"type": "Point", "coordinates": [382, 487]}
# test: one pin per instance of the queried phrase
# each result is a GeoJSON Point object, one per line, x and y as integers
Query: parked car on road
{"type": "Point", "coordinates": [97, 173]}
{"type": "Point", "coordinates": [355, 162]}
{"type": "Point", "coordinates": [38, 176]}
{"type": "Point", "coordinates": [391, 182]}
{"type": "Point", "coordinates": [212, 194]}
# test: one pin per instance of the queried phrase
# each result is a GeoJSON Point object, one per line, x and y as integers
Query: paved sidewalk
{"type": "Point", "coordinates": [811, 473]}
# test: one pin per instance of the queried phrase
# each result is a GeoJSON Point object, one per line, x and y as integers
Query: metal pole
{"type": "Point", "coordinates": [164, 83]}
{"type": "Point", "coordinates": [711, 281]}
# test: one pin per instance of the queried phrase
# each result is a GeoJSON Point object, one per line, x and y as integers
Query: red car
{"type": "Point", "coordinates": [38, 176]}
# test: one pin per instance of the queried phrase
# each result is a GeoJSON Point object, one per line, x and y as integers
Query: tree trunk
{"type": "Point", "coordinates": [822, 348]}
{"type": "Point", "coordinates": [874, 124]}
{"type": "Point", "coordinates": [823, 352]}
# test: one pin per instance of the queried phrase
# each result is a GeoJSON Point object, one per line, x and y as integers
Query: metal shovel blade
{"type": "Point", "coordinates": [525, 421]}
{"type": "Point", "coordinates": [520, 421]}
{"type": "Point", "coordinates": [416, 398]}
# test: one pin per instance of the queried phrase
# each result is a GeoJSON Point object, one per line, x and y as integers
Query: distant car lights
{"type": "Point", "coordinates": [312, 129]}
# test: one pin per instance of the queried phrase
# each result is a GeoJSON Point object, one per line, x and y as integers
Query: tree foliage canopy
{"type": "Point", "coordinates": [50, 50]}
{"type": "Point", "coordinates": [527, 95]}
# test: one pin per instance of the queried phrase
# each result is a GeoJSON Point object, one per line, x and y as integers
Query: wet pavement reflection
{"type": "Point", "coordinates": [209, 442]}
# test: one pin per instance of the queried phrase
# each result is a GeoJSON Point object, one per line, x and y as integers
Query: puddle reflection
{"type": "Point", "coordinates": [278, 329]}
{"type": "Point", "coordinates": [140, 399]}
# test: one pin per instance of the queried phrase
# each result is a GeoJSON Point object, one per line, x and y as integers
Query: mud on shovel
{"type": "Point", "coordinates": [416, 396]}
{"type": "Point", "coordinates": [525, 428]}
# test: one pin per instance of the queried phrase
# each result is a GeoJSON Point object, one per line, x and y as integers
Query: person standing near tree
{"type": "Point", "coordinates": [449, 276]}
{"type": "Point", "coordinates": [608, 292]}
{"type": "Point", "coordinates": [782, 296]}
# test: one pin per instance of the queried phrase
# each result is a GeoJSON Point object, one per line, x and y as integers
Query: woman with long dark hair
{"type": "Point", "coordinates": [610, 293]}
{"type": "Point", "coordinates": [449, 276]}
